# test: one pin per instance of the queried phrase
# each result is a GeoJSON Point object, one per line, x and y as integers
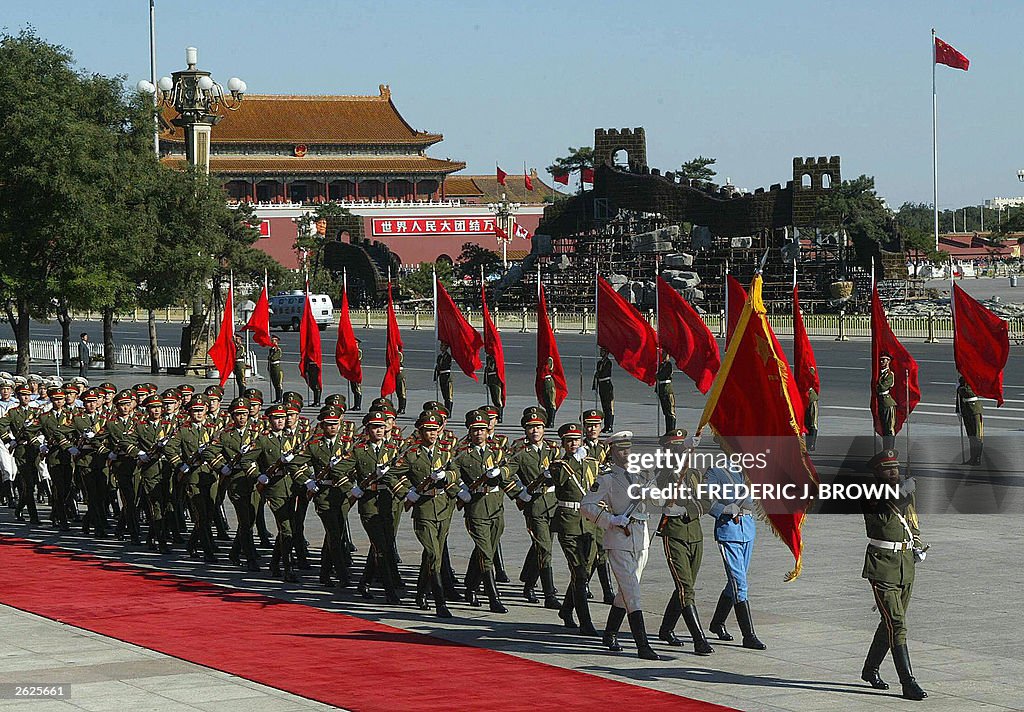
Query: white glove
{"type": "Point", "coordinates": [10, 443]}
{"type": "Point", "coordinates": [381, 470]}
{"type": "Point", "coordinates": [524, 496]}
{"type": "Point", "coordinates": [311, 485]}
{"type": "Point", "coordinates": [919, 555]}
{"type": "Point", "coordinates": [357, 491]}
{"type": "Point", "coordinates": [413, 496]}
{"type": "Point", "coordinates": [620, 520]}
{"type": "Point", "coordinates": [285, 459]}
{"type": "Point", "coordinates": [731, 510]}
{"type": "Point", "coordinates": [73, 451]}
{"type": "Point", "coordinates": [580, 454]}
{"type": "Point", "coordinates": [89, 435]}
{"type": "Point", "coordinates": [438, 475]}
{"type": "Point", "coordinates": [494, 472]}
{"type": "Point", "coordinates": [226, 470]}
{"type": "Point", "coordinates": [465, 496]}
{"type": "Point", "coordinates": [112, 456]}
{"type": "Point", "coordinates": [143, 456]}
{"type": "Point", "coordinates": [692, 441]}
{"type": "Point", "coordinates": [263, 479]}
{"type": "Point", "coordinates": [43, 449]}
{"type": "Point", "coordinates": [184, 469]}
{"type": "Point", "coordinates": [908, 487]}
{"type": "Point", "coordinates": [39, 440]}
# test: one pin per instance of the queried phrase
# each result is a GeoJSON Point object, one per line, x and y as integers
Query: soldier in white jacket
{"type": "Point", "coordinates": [623, 518]}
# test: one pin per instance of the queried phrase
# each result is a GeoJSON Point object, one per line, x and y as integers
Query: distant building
{"type": "Point", "coordinates": [1004, 203]}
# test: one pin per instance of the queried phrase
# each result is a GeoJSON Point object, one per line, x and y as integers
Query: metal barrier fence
{"type": "Point", "coordinates": [48, 351]}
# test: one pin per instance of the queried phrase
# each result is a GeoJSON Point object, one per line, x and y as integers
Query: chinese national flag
{"type": "Point", "coordinates": [392, 351]}
{"type": "Point", "coordinates": [492, 342]}
{"type": "Point", "coordinates": [686, 337]}
{"type": "Point", "coordinates": [309, 342]}
{"type": "Point", "coordinates": [586, 175]}
{"type": "Point", "coordinates": [755, 373]}
{"type": "Point", "coordinates": [454, 330]}
{"type": "Point", "coordinates": [735, 298]}
{"type": "Point", "coordinates": [627, 335]}
{"type": "Point", "coordinates": [905, 390]}
{"type": "Point", "coordinates": [981, 345]}
{"type": "Point", "coordinates": [805, 367]}
{"type": "Point", "coordinates": [259, 321]}
{"type": "Point", "coordinates": [548, 348]}
{"type": "Point", "coordinates": [527, 181]}
{"type": "Point", "coordinates": [946, 54]}
{"type": "Point", "coordinates": [501, 175]}
{"type": "Point", "coordinates": [223, 351]}
{"type": "Point", "coordinates": [346, 350]}
{"type": "Point", "coordinates": [562, 178]}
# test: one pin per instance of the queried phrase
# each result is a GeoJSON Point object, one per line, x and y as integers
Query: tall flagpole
{"type": "Point", "coordinates": [725, 291]}
{"type": "Point", "coordinates": [437, 383]}
{"type": "Point", "coordinates": [935, 151]}
{"type": "Point", "coordinates": [597, 347]}
{"type": "Point", "coordinates": [657, 335]}
{"type": "Point", "coordinates": [956, 396]}
{"type": "Point", "coordinates": [483, 305]}
{"type": "Point", "coordinates": [871, 387]}
{"type": "Point", "coordinates": [152, 75]}
{"type": "Point", "coordinates": [231, 297]}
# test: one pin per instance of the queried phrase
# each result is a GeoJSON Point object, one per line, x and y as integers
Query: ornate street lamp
{"type": "Point", "coordinates": [199, 101]}
{"type": "Point", "coordinates": [504, 216]}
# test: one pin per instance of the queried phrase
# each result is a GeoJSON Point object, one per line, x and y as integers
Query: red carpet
{"type": "Point", "coordinates": [331, 657]}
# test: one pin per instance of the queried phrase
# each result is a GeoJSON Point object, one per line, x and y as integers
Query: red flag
{"type": "Point", "coordinates": [454, 330]}
{"type": "Point", "coordinates": [223, 351]}
{"type": "Point", "coordinates": [755, 371]}
{"type": "Point", "coordinates": [805, 367]}
{"type": "Point", "coordinates": [548, 348]}
{"type": "Point", "coordinates": [686, 337]}
{"type": "Point", "coordinates": [500, 232]}
{"type": "Point", "coordinates": [902, 365]}
{"type": "Point", "coordinates": [736, 297]}
{"type": "Point", "coordinates": [492, 340]}
{"type": "Point", "coordinates": [346, 350]}
{"type": "Point", "coordinates": [527, 181]}
{"type": "Point", "coordinates": [562, 178]}
{"type": "Point", "coordinates": [501, 175]}
{"type": "Point", "coordinates": [392, 351]}
{"type": "Point", "coordinates": [981, 345]}
{"type": "Point", "coordinates": [309, 343]}
{"type": "Point", "coordinates": [259, 321]}
{"type": "Point", "coordinates": [946, 54]}
{"type": "Point", "coordinates": [625, 334]}
{"type": "Point", "coordinates": [586, 175]}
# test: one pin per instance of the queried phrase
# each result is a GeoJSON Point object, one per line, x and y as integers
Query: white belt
{"type": "Point", "coordinates": [444, 371]}
{"type": "Point", "coordinates": [275, 363]}
{"type": "Point", "coordinates": [575, 506]}
{"type": "Point", "coordinates": [890, 545]}
{"type": "Point", "coordinates": [883, 393]}
{"type": "Point", "coordinates": [971, 400]}
{"type": "Point", "coordinates": [668, 381]}
{"type": "Point", "coordinates": [486, 490]}
{"type": "Point", "coordinates": [600, 380]}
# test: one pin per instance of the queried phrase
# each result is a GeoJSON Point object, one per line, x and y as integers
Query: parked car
{"type": "Point", "coordinates": [286, 310]}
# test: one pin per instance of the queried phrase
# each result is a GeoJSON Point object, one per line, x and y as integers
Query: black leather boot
{"type": "Point", "coordinates": [718, 620]}
{"type": "Point", "coordinates": [566, 609]}
{"type": "Point", "coordinates": [611, 629]}
{"type": "Point", "coordinates": [472, 581]}
{"type": "Point", "coordinates": [700, 641]}
{"type": "Point", "coordinates": [437, 589]}
{"type": "Point", "coordinates": [604, 574]}
{"type": "Point", "coordinates": [911, 690]}
{"type": "Point", "coordinates": [876, 654]}
{"type": "Point", "coordinates": [493, 599]}
{"type": "Point", "coordinates": [547, 582]}
{"type": "Point", "coordinates": [529, 594]}
{"type": "Point", "coordinates": [582, 605]}
{"type": "Point", "coordinates": [668, 623]}
{"type": "Point", "coordinates": [747, 627]}
{"type": "Point", "coordinates": [499, 566]}
{"type": "Point", "coordinates": [643, 647]}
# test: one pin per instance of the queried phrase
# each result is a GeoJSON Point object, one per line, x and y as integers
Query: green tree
{"type": "Point", "coordinates": [854, 207]}
{"type": "Point", "coordinates": [916, 223]}
{"type": "Point", "coordinates": [474, 258]}
{"type": "Point", "coordinates": [699, 168]}
{"type": "Point", "coordinates": [419, 284]}
{"type": "Point", "coordinates": [576, 159]}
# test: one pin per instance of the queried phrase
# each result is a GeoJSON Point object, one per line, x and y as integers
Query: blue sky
{"type": "Point", "coordinates": [751, 83]}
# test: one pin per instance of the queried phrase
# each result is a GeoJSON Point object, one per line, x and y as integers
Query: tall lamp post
{"type": "Point", "coordinates": [504, 215]}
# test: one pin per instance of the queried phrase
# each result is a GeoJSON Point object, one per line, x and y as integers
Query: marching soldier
{"type": "Point", "coordinates": [592, 421]}
{"type": "Point", "coordinates": [311, 374]}
{"type": "Point", "coordinates": [624, 521]}
{"type": "Point", "coordinates": [683, 542]}
{"type": "Point", "coordinates": [17, 428]}
{"type": "Point", "coordinates": [532, 463]}
{"type": "Point", "coordinates": [275, 451]}
{"type": "Point", "coordinates": [605, 389]}
{"type": "Point", "coordinates": [663, 389]}
{"type": "Point", "coordinates": [233, 455]}
{"type": "Point", "coordinates": [495, 387]}
{"type": "Point", "coordinates": [240, 360]}
{"type": "Point", "coordinates": [811, 417]}
{"type": "Point", "coordinates": [482, 470]}
{"type": "Point", "coordinates": [735, 532]}
{"type": "Point", "coordinates": [120, 444]}
{"type": "Point", "coordinates": [970, 409]}
{"type": "Point", "coordinates": [92, 464]}
{"type": "Point", "coordinates": [443, 376]}
{"type": "Point", "coordinates": [894, 549]}
{"type": "Point", "coordinates": [570, 475]}
{"type": "Point", "coordinates": [550, 392]}
{"type": "Point", "coordinates": [152, 435]}
{"type": "Point", "coordinates": [355, 386]}
{"type": "Point", "coordinates": [430, 488]}
{"type": "Point", "coordinates": [187, 452]}
{"type": "Point", "coordinates": [401, 391]}
{"type": "Point", "coordinates": [884, 402]}
{"type": "Point", "coordinates": [274, 356]}
{"type": "Point", "coordinates": [55, 443]}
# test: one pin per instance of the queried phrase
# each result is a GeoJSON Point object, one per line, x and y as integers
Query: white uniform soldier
{"type": "Point", "coordinates": [626, 539]}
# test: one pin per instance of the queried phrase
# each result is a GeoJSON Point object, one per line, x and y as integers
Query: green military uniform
{"type": "Point", "coordinates": [233, 454]}
{"type": "Point", "coordinates": [970, 408]}
{"type": "Point", "coordinates": [276, 451]}
{"type": "Point", "coordinates": [276, 372]}
{"type": "Point", "coordinates": [239, 369]}
{"type": "Point", "coordinates": [357, 386]}
{"type": "Point", "coordinates": [811, 419]}
{"type": "Point", "coordinates": [55, 426]}
{"type": "Point", "coordinates": [666, 396]}
{"type": "Point", "coordinates": [401, 389]}
{"type": "Point", "coordinates": [599, 451]}
{"type": "Point", "coordinates": [120, 444]}
{"type": "Point", "coordinates": [91, 465]}
{"type": "Point", "coordinates": [188, 452]}
{"type": "Point", "coordinates": [605, 389]}
{"type": "Point", "coordinates": [152, 437]}
{"type": "Point", "coordinates": [443, 377]}
{"type": "Point", "coordinates": [18, 428]}
{"type": "Point", "coordinates": [894, 547]}
{"type": "Point", "coordinates": [886, 407]}
{"type": "Point", "coordinates": [495, 387]}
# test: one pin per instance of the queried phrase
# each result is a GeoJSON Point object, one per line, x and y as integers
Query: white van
{"type": "Point", "coordinates": [286, 309]}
